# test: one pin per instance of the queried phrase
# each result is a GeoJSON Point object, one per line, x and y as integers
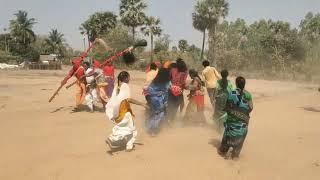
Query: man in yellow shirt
{"type": "Point", "coordinates": [211, 75]}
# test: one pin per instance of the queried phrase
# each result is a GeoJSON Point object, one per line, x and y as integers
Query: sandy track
{"type": "Point", "coordinates": [39, 140]}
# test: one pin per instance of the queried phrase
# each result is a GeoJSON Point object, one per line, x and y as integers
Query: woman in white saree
{"type": "Point", "coordinates": [118, 110]}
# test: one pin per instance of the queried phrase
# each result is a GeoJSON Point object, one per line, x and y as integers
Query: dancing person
{"type": "Point", "coordinates": [158, 99]}
{"type": "Point", "coordinates": [224, 87]}
{"type": "Point", "coordinates": [91, 95]}
{"type": "Point", "coordinates": [108, 71]}
{"type": "Point", "coordinates": [77, 71]}
{"type": "Point", "coordinates": [239, 106]}
{"type": "Point", "coordinates": [195, 108]}
{"type": "Point", "coordinates": [119, 111]}
{"type": "Point", "coordinates": [211, 75]}
{"type": "Point", "coordinates": [178, 76]}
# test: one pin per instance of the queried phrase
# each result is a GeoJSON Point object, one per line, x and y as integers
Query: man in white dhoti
{"type": "Point", "coordinates": [118, 110]}
{"type": "Point", "coordinates": [91, 96]}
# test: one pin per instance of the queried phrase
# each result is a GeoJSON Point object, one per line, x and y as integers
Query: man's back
{"type": "Point", "coordinates": [211, 76]}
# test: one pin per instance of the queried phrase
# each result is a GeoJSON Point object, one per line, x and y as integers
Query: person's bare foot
{"type": "Point", "coordinates": [130, 150]}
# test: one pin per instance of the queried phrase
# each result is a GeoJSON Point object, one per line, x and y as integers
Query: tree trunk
{"type": "Point", "coordinates": [133, 33]}
{"type": "Point", "coordinates": [88, 39]}
{"type": "Point", "coordinates": [5, 43]}
{"type": "Point", "coordinates": [203, 43]}
{"type": "Point", "coordinates": [151, 47]}
{"type": "Point", "coordinates": [211, 54]}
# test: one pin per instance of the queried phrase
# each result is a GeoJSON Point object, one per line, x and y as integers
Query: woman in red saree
{"type": "Point", "coordinates": [195, 108]}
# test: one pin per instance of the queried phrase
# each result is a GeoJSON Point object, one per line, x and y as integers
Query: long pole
{"type": "Point", "coordinates": [84, 43]}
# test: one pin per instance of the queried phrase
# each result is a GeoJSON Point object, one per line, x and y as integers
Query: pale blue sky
{"type": "Point", "coordinates": [67, 15]}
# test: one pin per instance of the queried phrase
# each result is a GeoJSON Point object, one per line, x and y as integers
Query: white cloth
{"type": "Point", "coordinates": [89, 79]}
{"type": "Point", "coordinates": [98, 72]}
{"type": "Point", "coordinates": [112, 107]}
{"type": "Point", "coordinates": [126, 126]}
{"type": "Point", "coordinates": [91, 97]}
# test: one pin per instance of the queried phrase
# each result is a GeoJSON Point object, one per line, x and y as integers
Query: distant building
{"type": "Point", "coordinates": [49, 58]}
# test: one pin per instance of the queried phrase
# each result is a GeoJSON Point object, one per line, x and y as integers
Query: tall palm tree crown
{"type": "Point", "coordinates": [152, 28]}
{"type": "Point", "coordinates": [21, 28]}
{"type": "Point", "coordinates": [55, 41]}
{"type": "Point", "coordinates": [132, 13]}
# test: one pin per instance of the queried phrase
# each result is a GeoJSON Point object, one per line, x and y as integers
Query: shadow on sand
{"type": "Point", "coordinates": [116, 150]}
{"type": "Point", "coordinates": [311, 109]}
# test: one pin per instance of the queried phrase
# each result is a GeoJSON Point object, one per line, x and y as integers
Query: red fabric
{"type": "Point", "coordinates": [109, 70]}
{"type": "Point", "coordinates": [199, 100]}
{"type": "Point", "coordinates": [178, 78]}
{"type": "Point", "coordinates": [79, 73]}
{"type": "Point", "coordinates": [176, 90]}
{"type": "Point", "coordinates": [96, 64]}
{"type": "Point", "coordinates": [76, 64]}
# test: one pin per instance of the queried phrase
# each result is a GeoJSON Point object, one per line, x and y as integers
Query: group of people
{"type": "Point", "coordinates": [164, 91]}
{"type": "Point", "coordinates": [94, 82]}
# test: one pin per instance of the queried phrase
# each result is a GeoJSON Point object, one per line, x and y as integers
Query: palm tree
{"type": "Point", "coordinates": [200, 22]}
{"type": "Point", "coordinates": [21, 27]}
{"type": "Point", "coordinates": [213, 11]}
{"type": "Point", "coordinates": [152, 28]}
{"type": "Point", "coordinates": [132, 13]}
{"type": "Point", "coordinates": [55, 41]}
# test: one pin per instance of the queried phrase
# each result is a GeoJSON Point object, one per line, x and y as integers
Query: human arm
{"type": "Point", "coordinates": [248, 97]}
{"type": "Point", "coordinates": [250, 105]}
{"type": "Point", "coordinates": [218, 75]}
{"type": "Point", "coordinates": [136, 102]}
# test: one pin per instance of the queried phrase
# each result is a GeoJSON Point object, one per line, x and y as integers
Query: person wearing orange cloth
{"type": "Point", "coordinates": [77, 71]}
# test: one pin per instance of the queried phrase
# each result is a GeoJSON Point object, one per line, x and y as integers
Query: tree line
{"type": "Point", "coordinates": [266, 45]}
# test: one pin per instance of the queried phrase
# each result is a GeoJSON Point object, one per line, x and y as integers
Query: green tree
{"type": "Point", "coordinates": [98, 24]}
{"type": "Point", "coordinates": [183, 45]}
{"type": "Point", "coordinates": [132, 14]}
{"type": "Point", "coordinates": [310, 27]}
{"type": "Point", "coordinates": [213, 11]}
{"type": "Point", "coordinates": [161, 48]}
{"type": "Point", "coordinates": [152, 28]}
{"type": "Point", "coordinates": [55, 42]}
{"type": "Point", "coordinates": [200, 22]}
{"type": "Point", "coordinates": [22, 36]}
{"type": "Point", "coordinates": [21, 28]}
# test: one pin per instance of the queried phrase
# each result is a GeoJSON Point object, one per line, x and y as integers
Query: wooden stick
{"type": "Point", "coordinates": [55, 93]}
{"type": "Point", "coordinates": [70, 85]}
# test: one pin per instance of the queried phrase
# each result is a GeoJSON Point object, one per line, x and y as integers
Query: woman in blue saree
{"type": "Point", "coordinates": [158, 101]}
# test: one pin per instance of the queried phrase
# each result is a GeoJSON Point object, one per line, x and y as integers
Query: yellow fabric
{"type": "Point", "coordinates": [102, 94]}
{"type": "Point", "coordinates": [167, 64]}
{"type": "Point", "coordinates": [124, 108]}
{"type": "Point", "coordinates": [80, 93]}
{"type": "Point", "coordinates": [211, 75]}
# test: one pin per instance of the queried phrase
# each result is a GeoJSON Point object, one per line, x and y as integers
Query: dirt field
{"type": "Point", "coordinates": [41, 140]}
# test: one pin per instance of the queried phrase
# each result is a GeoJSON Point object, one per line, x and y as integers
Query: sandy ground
{"type": "Point", "coordinates": [41, 140]}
